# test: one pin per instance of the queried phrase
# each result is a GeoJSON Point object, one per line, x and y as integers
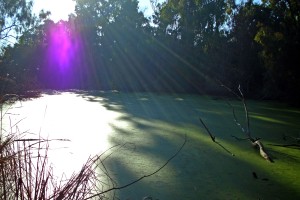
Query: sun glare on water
{"type": "Point", "coordinates": [66, 116]}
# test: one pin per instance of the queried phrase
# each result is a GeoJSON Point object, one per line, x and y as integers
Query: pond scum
{"type": "Point", "coordinates": [25, 173]}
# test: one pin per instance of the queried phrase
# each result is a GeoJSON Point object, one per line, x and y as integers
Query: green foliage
{"type": "Point", "coordinates": [15, 16]}
{"type": "Point", "coordinates": [17, 24]}
{"type": "Point", "coordinates": [279, 38]}
{"type": "Point", "coordinates": [184, 47]}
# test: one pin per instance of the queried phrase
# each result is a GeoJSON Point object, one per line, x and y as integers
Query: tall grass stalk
{"type": "Point", "coordinates": [25, 173]}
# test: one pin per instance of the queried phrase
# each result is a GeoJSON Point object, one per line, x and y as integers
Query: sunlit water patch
{"type": "Point", "coordinates": [69, 117]}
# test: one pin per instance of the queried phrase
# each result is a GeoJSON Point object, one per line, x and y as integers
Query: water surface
{"type": "Point", "coordinates": [153, 127]}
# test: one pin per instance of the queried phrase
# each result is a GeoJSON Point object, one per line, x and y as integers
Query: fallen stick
{"type": "Point", "coordinates": [213, 138]}
{"type": "Point", "coordinates": [142, 177]}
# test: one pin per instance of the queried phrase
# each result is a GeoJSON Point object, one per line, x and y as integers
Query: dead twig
{"type": "Point", "coordinates": [246, 131]}
{"type": "Point", "coordinates": [213, 138]}
{"type": "Point", "coordinates": [142, 177]}
{"type": "Point", "coordinates": [286, 145]}
{"type": "Point", "coordinates": [255, 141]}
{"type": "Point", "coordinates": [295, 139]}
{"type": "Point", "coordinates": [239, 139]}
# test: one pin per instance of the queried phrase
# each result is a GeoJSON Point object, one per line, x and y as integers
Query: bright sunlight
{"type": "Point", "coordinates": [60, 9]}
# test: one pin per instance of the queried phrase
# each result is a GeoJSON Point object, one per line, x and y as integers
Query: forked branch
{"type": "Point", "coordinates": [255, 141]}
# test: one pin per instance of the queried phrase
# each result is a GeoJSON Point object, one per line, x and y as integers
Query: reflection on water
{"type": "Point", "coordinates": [65, 116]}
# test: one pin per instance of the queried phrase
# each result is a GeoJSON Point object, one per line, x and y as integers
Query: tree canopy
{"type": "Point", "coordinates": [186, 46]}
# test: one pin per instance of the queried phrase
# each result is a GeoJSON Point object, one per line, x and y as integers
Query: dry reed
{"type": "Point", "coordinates": [25, 173]}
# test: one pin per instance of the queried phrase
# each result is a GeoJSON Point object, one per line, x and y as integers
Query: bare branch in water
{"type": "Point", "coordinates": [255, 142]}
{"type": "Point", "coordinates": [246, 111]}
{"type": "Point", "coordinates": [142, 177]}
{"type": "Point", "coordinates": [295, 141]}
{"type": "Point", "coordinates": [213, 138]}
{"type": "Point", "coordinates": [286, 145]}
{"type": "Point", "coordinates": [246, 131]}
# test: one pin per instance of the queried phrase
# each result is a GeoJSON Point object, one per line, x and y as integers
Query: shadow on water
{"type": "Point", "coordinates": [156, 125]}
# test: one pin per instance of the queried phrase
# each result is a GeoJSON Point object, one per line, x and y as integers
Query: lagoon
{"type": "Point", "coordinates": [151, 128]}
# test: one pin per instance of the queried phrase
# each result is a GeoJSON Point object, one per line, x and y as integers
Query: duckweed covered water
{"type": "Point", "coordinates": [153, 127]}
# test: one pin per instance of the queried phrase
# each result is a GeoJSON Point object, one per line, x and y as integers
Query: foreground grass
{"type": "Point", "coordinates": [26, 174]}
